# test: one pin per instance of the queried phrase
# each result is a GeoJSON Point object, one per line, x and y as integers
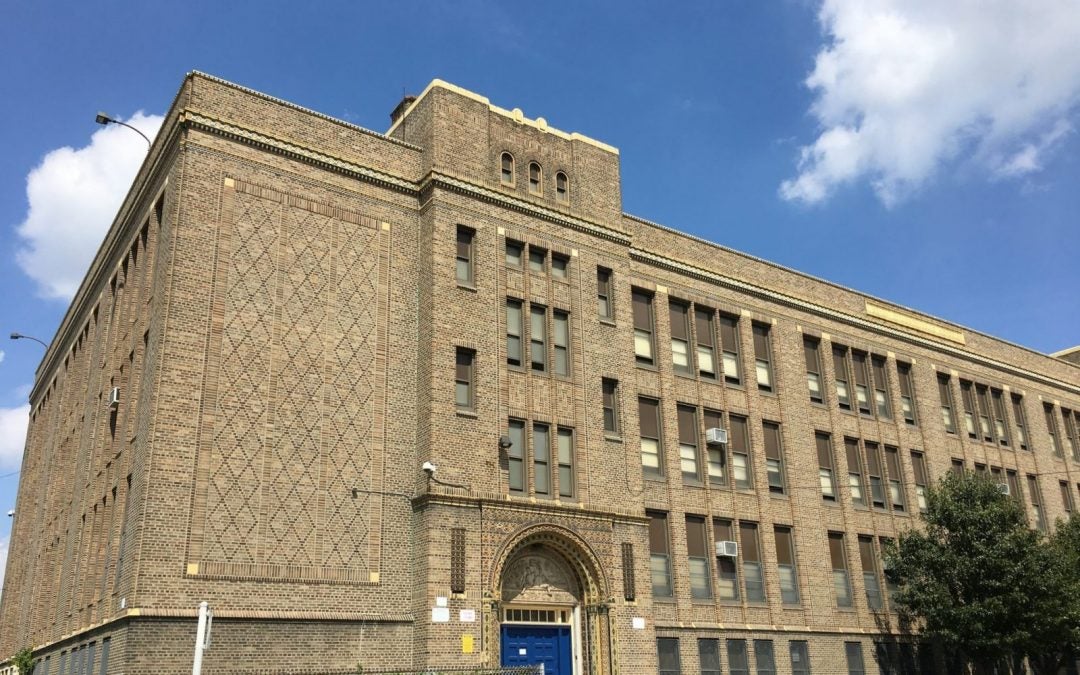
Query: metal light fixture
{"type": "Point", "coordinates": [20, 336]}
{"type": "Point", "coordinates": [105, 120]}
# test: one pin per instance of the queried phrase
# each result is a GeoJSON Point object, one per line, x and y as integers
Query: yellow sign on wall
{"type": "Point", "coordinates": [466, 644]}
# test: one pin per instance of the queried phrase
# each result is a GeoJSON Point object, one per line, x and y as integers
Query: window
{"type": "Point", "coordinates": [918, 466]}
{"type": "Point", "coordinates": [514, 330]}
{"type": "Point", "coordinates": [643, 326]}
{"type": "Point", "coordinates": [800, 657]}
{"type": "Point", "coordinates": [717, 458]}
{"type": "Point", "coordinates": [514, 251]}
{"type": "Point", "coordinates": [1071, 442]}
{"type": "Point", "coordinates": [1001, 427]}
{"type": "Point", "coordinates": [881, 387]}
{"type": "Point", "coordinates": [855, 476]}
{"type": "Point", "coordinates": [680, 337]}
{"type": "Point", "coordinates": [560, 266]}
{"type": "Point", "coordinates": [566, 462]}
{"type": "Point", "coordinates": [853, 652]}
{"type": "Point", "coordinates": [667, 650]}
{"type": "Point", "coordinates": [703, 324]}
{"type": "Point", "coordinates": [896, 479]}
{"type": "Point", "coordinates": [763, 357]}
{"type": "Point", "coordinates": [536, 179]}
{"type": "Point", "coordinates": [982, 395]}
{"type": "Point", "coordinates": [537, 260]}
{"type": "Point", "coordinates": [1020, 420]}
{"type": "Point", "coordinates": [891, 587]}
{"type": "Point", "coordinates": [1066, 497]}
{"type": "Point", "coordinates": [1014, 486]}
{"type": "Point", "coordinates": [463, 379]}
{"type": "Point", "coordinates": [727, 572]}
{"type": "Point", "coordinates": [506, 176]}
{"type": "Point", "coordinates": [862, 382]}
{"type": "Point", "coordinates": [538, 337]}
{"type": "Point", "coordinates": [957, 467]}
{"type": "Point", "coordinates": [785, 563]}
{"type": "Point", "coordinates": [764, 657]}
{"type": "Point", "coordinates": [562, 188]}
{"type": "Point", "coordinates": [698, 558]}
{"type": "Point", "coordinates": [562, 343]}
{"type": "Point", "coordinates": [649, 423]}
{"type": "Point", "coordinates": [738, 663]}
{"type": "Point", "coordinates": [541, 459]}
{"type": "Point", "coordinates": [1051, 428]}
{"type": "Point", "coordinates": [946, 403]}
{"type": "Point", "coordinates": [464, 264]}
{"type": "Point", "coordinates": [907, 392]}
{"type": "Point", "coordinates": [611, 405]}
{"type": "Point", "coordinates": [825, 466]}
{"type": "Point", "coordinates": [873, 470]}
{"type": "Point", "coordinates": [774, 457]}
{"type": "Point", "coordinates": [667, 653]}
{"type": "Point", "coordinates": [840, 369]}
{"type": "Point", "coordinates": [729, 344]}
{"type": "Point", "coordinates": [1036, 502]}
{"type": "Point", "coordinates": [838, 558]}
{"type": "Point", "coordinates": [629, 590]}
{"type": "Point", "coordinates": [688, 443]}
{"type": "Point", "coordinates": [457, 560]}
{"type": "Point", "coordinates": [739, 442]}
{"type": "Point", "coordinates": [967, 396]}
{"type": "Point", "coordinates": [659, 562]}
{"type": "Point", "coordinates": [603, 293]}
{"type": "Point", "coordinates": [709, 656]}
{"type": "Point", "coordinates": [813, 369]}
{"type": "Point", "coordinates": [750, 553]}
{"type": "Point", "coordinates": [869, 572]}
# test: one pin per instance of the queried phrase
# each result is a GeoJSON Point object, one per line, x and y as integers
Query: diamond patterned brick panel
{"type": "Point", "coordinates": [296, 394]}
{"type": "Point", "coordinates": [240, 438]}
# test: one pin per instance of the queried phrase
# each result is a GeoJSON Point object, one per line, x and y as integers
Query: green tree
{"type": "Point", "coordinates": [1063, 633]}
{"type": "Point", "coordinates": [977, 580]}
{"type": "Point", "coordinates": [24, 661]}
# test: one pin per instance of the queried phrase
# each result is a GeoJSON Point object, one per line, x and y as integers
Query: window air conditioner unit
{"type": "Point", "coordinates": [1003, 488]}
{"type": "Point", "coordinates": [716, 436]}
{"type": "Point", "coordinates": [114, 397]}
{"type": "Point", "coordinates": [727, 549]}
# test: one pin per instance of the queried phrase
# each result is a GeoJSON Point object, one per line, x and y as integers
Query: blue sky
{"type": "Point", "coordinates": [924, 154]}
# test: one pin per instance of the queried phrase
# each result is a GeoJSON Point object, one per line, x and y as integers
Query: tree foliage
{"type": "Point", "coordinates": [24, 661]}
{"type": "Point", "coordinates": [980, 582]}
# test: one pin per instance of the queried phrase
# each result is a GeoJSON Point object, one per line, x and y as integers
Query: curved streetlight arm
{"type": "Point", "coordinates": [104, 119]}
{"type": "Point", "coordinates": [20, 336]}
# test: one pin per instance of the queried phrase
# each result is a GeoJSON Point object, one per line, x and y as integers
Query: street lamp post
{"type": "Point", "coordinates": [105, 120]}
{"type": "Point", "coordinates": [20, 336]}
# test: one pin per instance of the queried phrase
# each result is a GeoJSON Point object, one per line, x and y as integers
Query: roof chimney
{"type": "Point", "coordinates": [401, 108]}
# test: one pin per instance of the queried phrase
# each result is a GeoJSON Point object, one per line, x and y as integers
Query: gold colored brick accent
{"type": "Point", "coordinates": [230, 182]}
{"type": "Point", "coordinates": [193, 569]}
{"type": "Point", "coordinates": [915, 323]}
{"type": "Point", "coordinates": [374, 577]}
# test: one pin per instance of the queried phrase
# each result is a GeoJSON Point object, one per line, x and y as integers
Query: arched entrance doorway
{"type": "Point", "coordinates": [549, 604]}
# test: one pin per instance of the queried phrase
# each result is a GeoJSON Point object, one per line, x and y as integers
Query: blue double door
{"type": "Point", "coordinates": [529, 645]}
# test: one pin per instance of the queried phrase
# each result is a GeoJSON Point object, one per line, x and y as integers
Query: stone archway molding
{"type": "Point", "coordinates": [575, 551]}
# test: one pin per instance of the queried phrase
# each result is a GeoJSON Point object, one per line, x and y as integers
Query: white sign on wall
{"type": "Point", "coordinates": [467, 616]}
{"type": "Point", "coordinates": [440, 614]}
{"type": "Point", "coordinates": [638, 623]}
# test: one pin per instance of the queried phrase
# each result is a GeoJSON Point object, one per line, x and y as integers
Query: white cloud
{"type": "Point", "coordinates": [13, 423]}
{"type": "Point", "coordinates": [1, 355]}
{"type": "Point", "coordinates": [74, 195]}
{"type": "Point", "coordinates": [904, 87]}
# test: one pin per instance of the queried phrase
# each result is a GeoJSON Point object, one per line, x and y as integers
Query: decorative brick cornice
{"type": "Point", "coordinates": [196, 120]}
{"type": "Point", "coordinates": [464, 187]}
{"type": "Point", "coordinates": [748, 288]}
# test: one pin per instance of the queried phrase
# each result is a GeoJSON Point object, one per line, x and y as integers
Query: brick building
{"type": "Point", "coordinates": [652, 453]}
